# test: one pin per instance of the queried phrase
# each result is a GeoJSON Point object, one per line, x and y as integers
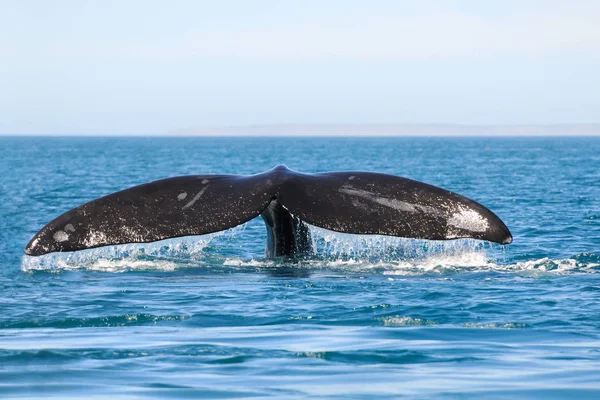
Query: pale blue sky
{"type": "Point", "coordinates": [149, 67]}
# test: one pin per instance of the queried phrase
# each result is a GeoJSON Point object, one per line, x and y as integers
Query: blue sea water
{"type": "Point", "coordinates": [369, 316]}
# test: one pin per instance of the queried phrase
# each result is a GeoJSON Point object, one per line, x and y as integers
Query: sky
{"type": "Point", "coordinates": [152, 67]}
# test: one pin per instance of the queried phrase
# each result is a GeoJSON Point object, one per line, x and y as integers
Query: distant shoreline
{"type": "Point", "coordinates": [353, 130]}
{"type": "Point", "coordinates": [391, 130]}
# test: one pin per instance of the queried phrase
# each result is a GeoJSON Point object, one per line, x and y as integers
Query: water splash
{"type": "Point", "coordinates": [338, 245]}
{"type": "Point", "coordinates": [162, 255]}
{"type": "Point", "coordinates": [404, 257]}
{"type": "Point", "coordinates": [336, 252]}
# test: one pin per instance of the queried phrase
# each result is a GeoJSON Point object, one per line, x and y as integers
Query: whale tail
{"type": "Point", "coordinates": [349, 202]}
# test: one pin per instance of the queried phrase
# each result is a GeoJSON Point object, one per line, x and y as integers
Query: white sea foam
{"type": "Point", "coordinates": [238, 262]}
{"type": "Point", "coordinates": [405, 321]}
{"type": "Point", "coordinates": [336, 252]}
{"type": "Point", "coordinates": [467, 262]}
{"type": "Point", "coordinates": [510, 325]}
{"type": "Point", "coordinates": [122, 265]}
{"type": "Point", "coordinates": [461, 262]}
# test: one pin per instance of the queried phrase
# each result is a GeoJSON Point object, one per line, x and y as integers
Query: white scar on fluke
{"type": "Point", "coordinates": [391, 203]}
{"type": "Point", "coordinates": [61, 236]}
{"type": "Point", "coordinates": [468, 220]}
{"type": "Point", "coordinates": [195, 199]}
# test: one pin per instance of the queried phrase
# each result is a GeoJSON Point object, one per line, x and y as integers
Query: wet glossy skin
{"type": "Point", "coordinates": [350, 202]}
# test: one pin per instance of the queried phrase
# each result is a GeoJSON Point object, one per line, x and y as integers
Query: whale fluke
{"type": "Point", "coordinates": [349, 202]}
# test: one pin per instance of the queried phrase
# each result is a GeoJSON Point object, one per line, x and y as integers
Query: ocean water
{"type": "Point", "coordinates": [368, 316]}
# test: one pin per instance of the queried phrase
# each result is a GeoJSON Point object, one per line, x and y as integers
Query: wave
{"type": "Point", "coordinates": [216, 320]}
{"type": "Point", "coordinates": [92, 322]}
{"type": "Point", "coordinates": [407, 321]}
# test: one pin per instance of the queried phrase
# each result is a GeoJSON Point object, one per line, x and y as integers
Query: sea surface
{"type": "Point", "coordinates": [210, 317]}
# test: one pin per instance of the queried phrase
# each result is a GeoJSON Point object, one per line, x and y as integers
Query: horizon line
{"type": "Point", "coordinates": [352, 130]}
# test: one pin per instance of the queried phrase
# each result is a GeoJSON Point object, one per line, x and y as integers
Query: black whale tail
{"type": "Point", "coordinates": [349, 202]}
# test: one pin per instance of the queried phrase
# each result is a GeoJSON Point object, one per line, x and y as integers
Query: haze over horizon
{"type": "Point", "coordinates": [148, 67]}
